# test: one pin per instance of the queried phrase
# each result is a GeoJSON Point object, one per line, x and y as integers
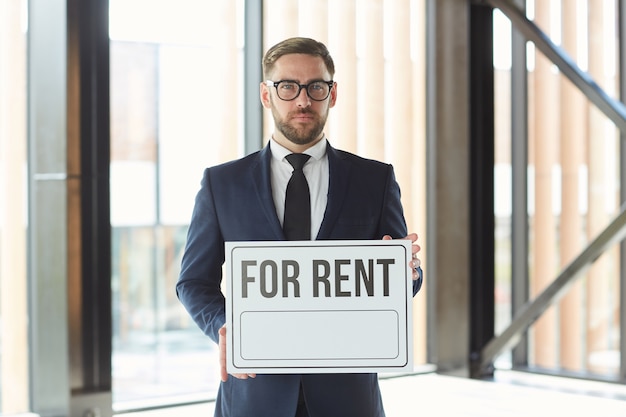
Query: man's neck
{"type": "Point", "coordinates": [294, 147]}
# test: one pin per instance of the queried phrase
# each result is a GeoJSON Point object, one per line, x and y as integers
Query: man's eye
{"type": "Point", "coordinates": [317, 86]}
{"type": "Point", "coordinates": [287, 86]}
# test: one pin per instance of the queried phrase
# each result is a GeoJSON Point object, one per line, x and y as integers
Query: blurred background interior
{"type": "Point", "coordinates": [504, 120]}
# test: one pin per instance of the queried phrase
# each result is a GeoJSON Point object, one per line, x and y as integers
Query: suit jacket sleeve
{"type": "Point", "coordinates": [198, 287]}
{"type": "Point", "coordinates": [393, 215]}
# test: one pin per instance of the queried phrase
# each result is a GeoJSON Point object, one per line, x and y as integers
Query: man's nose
{"type": "Point", "coordinates": [303, 99]}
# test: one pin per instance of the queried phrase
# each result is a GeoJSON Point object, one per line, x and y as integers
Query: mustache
{"type": "Point", "coordinates": [301, 111]}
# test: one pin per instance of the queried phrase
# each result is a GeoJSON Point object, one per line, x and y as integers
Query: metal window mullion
{"type": "Point", "coordinates": [519, 167]}
{"type": "Point", "coordinates": [482, 217]}
{"type": "Point", "coordinates": [47, 208]}
{"type": "Point", "coordinates": [612, 108]}
{"type": "Point", "coordinates": [622, 272]}
{"type": "Point", "coordinates": [252, 74]}
{"type": "Point", "coordinates": [431, 175]}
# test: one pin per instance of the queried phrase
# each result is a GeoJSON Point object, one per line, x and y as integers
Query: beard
{"type": "Point", "coordinates": [300, 134]}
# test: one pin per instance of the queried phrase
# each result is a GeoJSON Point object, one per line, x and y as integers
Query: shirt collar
{"type": "Point", "coordinates": [316, 151]}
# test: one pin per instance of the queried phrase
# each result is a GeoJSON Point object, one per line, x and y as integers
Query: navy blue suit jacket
{"type": "Point", "coordinates": [235, 203]}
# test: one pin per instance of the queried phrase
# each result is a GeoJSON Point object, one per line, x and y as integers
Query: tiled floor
{"type": "Point", "coordinates": [518, 395]}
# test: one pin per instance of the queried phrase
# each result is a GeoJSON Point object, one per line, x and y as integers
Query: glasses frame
{"type": "Point", "coordinates": [275, 84]}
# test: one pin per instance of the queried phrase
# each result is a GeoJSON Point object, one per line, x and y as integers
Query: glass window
{"type": "Point", "coordinates": [502, 175]}
{"type": "Point", "coordinates": [13, 210]}
{"type": "Point", "coordinates": [175, 109]}
{"type": "Point", "coordinates": [573, 189]}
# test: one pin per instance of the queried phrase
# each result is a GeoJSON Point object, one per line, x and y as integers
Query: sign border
{"type": "Point", "coordinates": [232, 367]}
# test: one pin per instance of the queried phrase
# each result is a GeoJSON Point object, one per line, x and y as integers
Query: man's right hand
{"type": "Point", "coordinates": [222, 346]}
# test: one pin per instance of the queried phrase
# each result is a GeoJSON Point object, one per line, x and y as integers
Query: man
{"type": "Point", "coordinates": [244, 200]}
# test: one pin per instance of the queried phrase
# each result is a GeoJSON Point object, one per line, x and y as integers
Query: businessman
{"type": "Point", "coordinates": [338, 196]}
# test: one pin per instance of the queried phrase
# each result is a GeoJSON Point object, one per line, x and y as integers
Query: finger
{"type": "Point", "coordinates": [244, 376]}
{"type": "Point", "coordinates": [416, 274]}
{"type": "Point", "coordinates": [414, 247]}
{"type": "Point", "coordinates": [411, 236]}
{"type": "Point", "coordinates": [222, 349]}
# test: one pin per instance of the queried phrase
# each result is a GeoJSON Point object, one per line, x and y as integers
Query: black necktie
{"type": "Point", "coordinates": [297, 221]}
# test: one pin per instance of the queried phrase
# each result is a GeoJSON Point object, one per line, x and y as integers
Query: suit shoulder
{"type": "Point", "coordinates": [361, 161]}
{"type": "Point", "coordinates": [234, 166]}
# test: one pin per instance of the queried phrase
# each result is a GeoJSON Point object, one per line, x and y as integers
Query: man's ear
{"type": "Point", "coordinates": [333, 95]}
{"type": "Point", "coordinates": [264, 94]}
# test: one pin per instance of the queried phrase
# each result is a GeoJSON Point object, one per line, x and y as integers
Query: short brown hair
{"type": "Point", "coordinates": [305, 46]}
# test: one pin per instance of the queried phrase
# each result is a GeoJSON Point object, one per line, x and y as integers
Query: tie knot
{"type": "Point", "coordinates": [297, 160]}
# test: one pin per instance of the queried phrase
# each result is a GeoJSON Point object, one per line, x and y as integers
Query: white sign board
{"type": "Point", "coordinates": [319, 306]}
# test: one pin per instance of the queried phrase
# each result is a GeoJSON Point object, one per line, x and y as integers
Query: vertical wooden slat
{"type": "Point", "coordinates": [573, 127]}
{"type": "Point", "coordinates": [543, 244]}
{"type": "Point", "coordinates": [398, 138]}
{"type": "Point", "coordinates": [13, 307]}
{"type": "Point", "coordinates": [371, 67]}
{"type": "Point", "coordinates": [416, 216]}
{"type": "Point", "coordinates": [74, 206]}
{"type": "Point", "coordinates": [597, 218]}
{"type": "Point", "coordinates": [400, 133]}
{"type": "Point", "coordinates": [226, 11]}
{"type": "Point", "coordinates": [313, 19]}
{"type": "Point", "coordinates": [281, 21]}
{"type": "Point", "coordinates": [342, 44]}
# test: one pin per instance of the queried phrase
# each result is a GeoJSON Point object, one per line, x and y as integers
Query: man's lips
{"type": "Point", "coordinates": [302, 117]}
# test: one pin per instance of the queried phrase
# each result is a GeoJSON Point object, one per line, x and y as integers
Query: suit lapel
{"type": "Point", "coordinates": [260, 173]}
{"type": "Point", "coordinates": [339, 178]}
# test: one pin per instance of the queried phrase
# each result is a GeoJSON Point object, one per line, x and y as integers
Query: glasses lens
{"type": "Point", "coordinates": [287, 90]}
{"type": "Point", "coordinates": [318, 90]}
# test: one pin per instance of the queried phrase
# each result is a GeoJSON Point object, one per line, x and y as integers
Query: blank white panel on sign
{"type": "Point", "coordinates": [297, 334]}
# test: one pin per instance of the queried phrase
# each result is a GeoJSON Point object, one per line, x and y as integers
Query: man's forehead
{"type": "Point", "coordinates": [300, 67]}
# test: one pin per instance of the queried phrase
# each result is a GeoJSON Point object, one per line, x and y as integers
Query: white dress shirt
{"type": "Point", "coordinates": [316, 173]}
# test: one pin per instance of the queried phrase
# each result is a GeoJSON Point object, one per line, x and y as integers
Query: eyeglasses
{"type": "Point", "coordinates": [288, 90]}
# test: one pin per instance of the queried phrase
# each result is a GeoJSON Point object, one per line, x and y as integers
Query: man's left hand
{"type": "Point", "coordinates": [415, 248]}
